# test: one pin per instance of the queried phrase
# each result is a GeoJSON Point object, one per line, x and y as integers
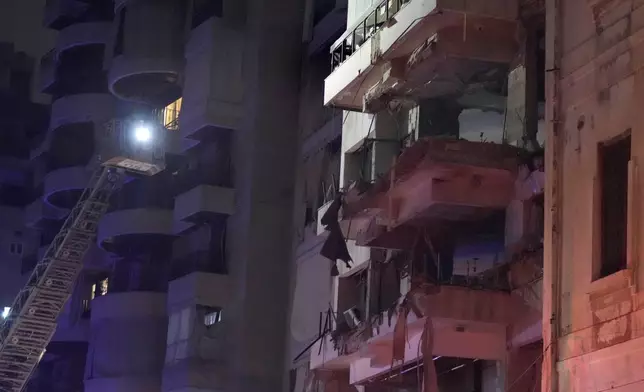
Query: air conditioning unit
{"type": "Point", "coordinates": [353, 317]}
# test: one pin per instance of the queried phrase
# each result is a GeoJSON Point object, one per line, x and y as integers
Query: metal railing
{"type": "Point", "coordinates": [167, 117]}
{"type": "Point", "coordinates": [359, 33]}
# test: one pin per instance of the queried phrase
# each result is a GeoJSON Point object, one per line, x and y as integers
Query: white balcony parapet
{"type": "Point", "coordinates": [133, 222]}
{"type": "Point", "coordinates": [66, 179]}
{"type": "Point", "coordinates": [214, 84]}
{"type": "Point", "coordinates": [79, 108]}
{"type": "Point", "coordinates": [39, 211]}
{"type": "Point", "coordinates": [84, 34]}
{"type": "Point", "coordinates": [396, 28]}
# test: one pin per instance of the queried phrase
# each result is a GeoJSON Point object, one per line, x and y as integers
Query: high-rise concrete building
{"type": "Point", "coordinates": [173, 296]}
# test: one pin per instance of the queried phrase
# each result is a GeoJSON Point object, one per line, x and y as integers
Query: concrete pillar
{"type": "Point", "coordinates": [260, 231]}
{"type": "Point", "coordinates": [522, 110]}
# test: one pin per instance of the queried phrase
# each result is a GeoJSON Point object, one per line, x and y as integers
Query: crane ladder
{"type": "Point", "coordinates": [31, 323]}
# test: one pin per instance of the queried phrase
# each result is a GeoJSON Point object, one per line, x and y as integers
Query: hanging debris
{"type": "Point", "coordinates": [335, 246]}
{"type": "Point", "coordinates": [430, 379]}
{"type": "Point", "coordinates": [400, 334]}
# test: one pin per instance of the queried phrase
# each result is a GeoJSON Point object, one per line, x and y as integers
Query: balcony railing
{"type": "Point", "coordinates": [353, 38]}
{"type": "Point", "coordinates": [169, 115]}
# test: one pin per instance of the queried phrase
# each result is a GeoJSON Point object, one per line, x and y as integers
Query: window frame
{"type": "Point", "coordinates": [630, 231]}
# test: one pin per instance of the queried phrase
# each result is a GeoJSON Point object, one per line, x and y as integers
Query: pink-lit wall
{"type": "Point", "coordinates": [599, 335]}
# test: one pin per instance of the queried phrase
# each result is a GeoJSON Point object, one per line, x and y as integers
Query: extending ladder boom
{"type": "Point", "coordinates": [31, 323]}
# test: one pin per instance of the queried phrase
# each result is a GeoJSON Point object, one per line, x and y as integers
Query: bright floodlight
{"type": "Point", "coordinates": [5, 312]}
{"type": "Point", "coordinates": [142, 134]}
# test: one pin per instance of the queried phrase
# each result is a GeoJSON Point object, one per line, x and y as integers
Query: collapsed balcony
{"type": "Point", "coordinates": [415, 49]}
{"type": "Point", "coordinates": [433, 181]}
{"type": "Point", "coordinates": [384, 306]}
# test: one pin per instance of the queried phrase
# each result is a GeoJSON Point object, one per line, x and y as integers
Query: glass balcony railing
{"type": "Point", "coordinates": [355, 37]}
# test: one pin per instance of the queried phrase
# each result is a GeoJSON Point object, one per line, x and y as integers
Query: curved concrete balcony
{"type": "Point", "coordinates": [148, 62]}
{"type": "Point", "coordinates": [123, 384]}
{"type": "Point", "coordinates": [63, 187]}
{"type": "Point", "coordinates": [123, 323]}
{"type": "Point", "coordinates": [80, 108]}
{"type": "Point", "coordinates": [416, 50]}
{"type": "Point", "coordinates": [76, 332]}
{"type": "Point", "coordinates": [129, 305]}
{"type": "Point", "coordinates": [467, 324]}
{"type": "Point", "coordinates": [60, 13]}
{"type": "Point", "coordinates": [434, 181]}
{"type": "Point", "coordinates": [84, 34]}
{"type": "Point", "coordinates": [40, 211]}
{"type": "Point", "coordinates": [203, 201]}
{"type": "Point", "coordinates": [131, 224]}
{"type": "Point", "coordinates": [96, 259]}
{"type": "Point", "coordinates": [47, 71]}
{"type": "Point", "coordinates": [214, 85]}
{"type": "Point", "coordinates": [149, 80]}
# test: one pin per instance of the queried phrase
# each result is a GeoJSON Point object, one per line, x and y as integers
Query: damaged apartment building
{"type": "Point", "coordinates": [427, 261]}
{"type": "Point", "coordinates": [445, 192]}
{"type": "Point", "coordinates": [485, 232]}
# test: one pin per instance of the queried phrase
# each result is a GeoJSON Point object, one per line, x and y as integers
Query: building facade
{"type": "Point", "coordinates": [318, 174]}
{"type": "Point", "coordinates": [593, 231]}
{"type": "Point", "coordinates": [440, 199]}
{"type": "Point", "coordinates": [172, 298]}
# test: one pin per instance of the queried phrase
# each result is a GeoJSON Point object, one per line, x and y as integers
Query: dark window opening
{"type": "Point", "coordinates": [210, 259]}
{"type": "Point", "coordinates": [614, 157]}
{"type": "Point", "coordinates": [206, 9]}
{"type": "Point", "coordinates": [15, 248]}
{"type": "Point", "coordinates": [80, 71]}
{"type": "Point", "coordinates": [309, 216]}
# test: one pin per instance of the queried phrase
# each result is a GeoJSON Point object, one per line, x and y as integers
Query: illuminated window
{"type": "Point", "coordinates": [100, 289]}
{"type": "Point", "coordinates": [103, 286]}
{"type": "Point", "coordinates": [171, 115]}
{"type": "Point", "coordinates": [614, 157]}
{"type": "Point", "coordinates": [212, 317]}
